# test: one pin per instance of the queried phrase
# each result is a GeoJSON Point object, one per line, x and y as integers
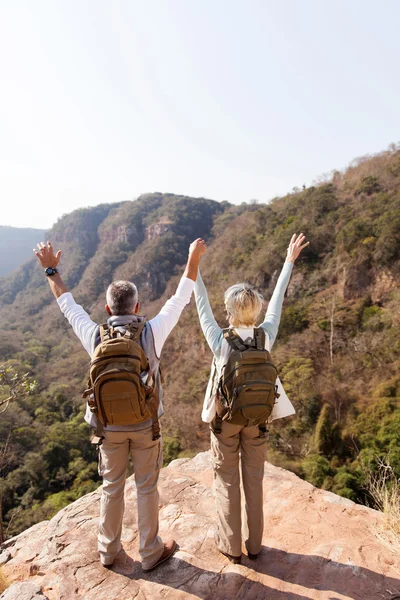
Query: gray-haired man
{"type": "Point", "coordinates": [122, 307]}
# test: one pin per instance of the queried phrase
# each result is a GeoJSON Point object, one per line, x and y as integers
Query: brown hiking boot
{"type": "Point", "coordinates": [169, 548]}
{"type": "Point", "coordinates": [234, 559]}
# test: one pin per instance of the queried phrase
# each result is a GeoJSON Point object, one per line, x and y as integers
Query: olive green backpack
{"type": "Point", "coordinates": [116, 393]}
{"type": "Point", "coordinates": [247, 389]}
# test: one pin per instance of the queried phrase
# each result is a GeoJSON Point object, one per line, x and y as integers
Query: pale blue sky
{"type": "Point", "coordinates": [232, 100]}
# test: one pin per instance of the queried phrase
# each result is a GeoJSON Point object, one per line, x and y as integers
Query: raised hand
{"type": "Point", "coordinates": [197, 248]}
{"type": "Point", "coordinates": [46, 256]}
{"type": "Point", "coordinates": [296, 245]}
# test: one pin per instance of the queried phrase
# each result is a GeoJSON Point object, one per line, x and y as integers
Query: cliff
{"type": "Point", "coordinates": [315, 545]}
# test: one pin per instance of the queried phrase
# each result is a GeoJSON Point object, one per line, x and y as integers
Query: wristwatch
{"type": "Point", "coordinates": [50, 271]}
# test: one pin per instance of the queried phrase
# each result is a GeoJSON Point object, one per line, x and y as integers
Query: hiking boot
{"type": "Point", "coordinates": [169, 548]}
{"type": "Point", "coordinates": [107, 563]}
{"type": "Point", "coordinates": [250, 555]}
{"type": "Point", "coordinates": [236, 560]}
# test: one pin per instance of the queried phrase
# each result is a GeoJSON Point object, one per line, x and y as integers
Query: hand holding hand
{"type": "Point", "coordinates": [46, 256]}
{"type": "Point", "coordinates": [197, 248]}
{"type": "Point", "coordinates": [295, 247]}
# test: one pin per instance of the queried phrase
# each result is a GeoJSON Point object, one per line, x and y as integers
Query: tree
{"type": "Point", "coordinates": [12, 386]}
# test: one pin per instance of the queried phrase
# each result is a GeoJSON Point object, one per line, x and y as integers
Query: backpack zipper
{"type": "Point", "coordinates": [131, 356]}
{"type": "Point", "coordinates": [267, 384]}
{"type": "Point", "coordinates": [116, 371]}
{"type": "Point", "coordinates": [247, 406]}
{"type": "Point", "coordinates": [232, 374]}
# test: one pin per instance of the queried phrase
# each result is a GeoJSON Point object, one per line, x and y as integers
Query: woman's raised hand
{"type": "Point", "coordinates": [296, 245]}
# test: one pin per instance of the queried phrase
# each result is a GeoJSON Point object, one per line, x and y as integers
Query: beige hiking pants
{"type": "Point", "coordinates": [147, 460]}
{"type": "Point", "coordinates": [227, 447]}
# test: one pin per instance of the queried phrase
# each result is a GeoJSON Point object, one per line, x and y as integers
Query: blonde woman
{"type": "Point", "coordinates": [233, 443]}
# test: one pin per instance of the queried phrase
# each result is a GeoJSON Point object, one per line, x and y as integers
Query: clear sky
{"type": "Point", "coordinates": [233, 100]}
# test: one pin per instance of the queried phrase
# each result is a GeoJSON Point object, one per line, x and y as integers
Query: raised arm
{"type": "Point", "coordinates": [49, 262]}
{"type": "Point", "coordinates": [273, 314]}
{"type": "Point", "coordinates": [212, 331]}
{"type": "Point", "coordinates": [78, 318]}
{"type": "Point", "coordinates": [167, 318]}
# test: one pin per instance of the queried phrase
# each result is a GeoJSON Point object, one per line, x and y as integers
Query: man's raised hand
{"type": "Point", "coordinates": [197, 248]}
{"type": "Point", "coordinates": [296, 245]}
{"type": "Point", "coordinates": [46, 256]}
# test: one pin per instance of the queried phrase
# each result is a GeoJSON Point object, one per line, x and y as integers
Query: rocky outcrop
{"type": "Point", "coordinates": [356, 280]}
{"type": "Point", "coordinates": [315, 545]}
{"type": "Point", "coordinates": [158, 229]}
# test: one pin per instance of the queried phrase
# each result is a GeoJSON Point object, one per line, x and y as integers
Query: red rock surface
{"type": "Point", "coordinates": [315, 545]}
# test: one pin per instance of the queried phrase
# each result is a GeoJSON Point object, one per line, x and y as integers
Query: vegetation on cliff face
{"type": "Point", "coordinates": [338, 348]}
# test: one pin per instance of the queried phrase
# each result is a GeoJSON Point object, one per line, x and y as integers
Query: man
{"type": "Point", "coordinates": [118, 441]}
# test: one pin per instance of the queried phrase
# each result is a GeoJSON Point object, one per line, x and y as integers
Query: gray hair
{"type": "Point", "coordinates": [122, 297]}
{"type": "Point", "coordinates": [243, 303]}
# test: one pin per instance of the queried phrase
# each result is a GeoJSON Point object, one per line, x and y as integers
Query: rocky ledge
{"type": "Point", "coordinates": [315, 545]}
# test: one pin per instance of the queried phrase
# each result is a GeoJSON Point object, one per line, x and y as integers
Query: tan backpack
{"type": "Point", "coordinates": [116, 392]}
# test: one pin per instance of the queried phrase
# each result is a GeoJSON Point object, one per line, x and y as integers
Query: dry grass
{"type": "Point", "coordinates": [384, 489]}
{"type": "Point", "coordinates": [3, 582]}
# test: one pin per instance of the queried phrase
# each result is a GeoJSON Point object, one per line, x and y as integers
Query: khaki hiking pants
{"type": "Point", "coordinates": [238, 518]}
{"type": "Point", "coordinates": [147, 460]}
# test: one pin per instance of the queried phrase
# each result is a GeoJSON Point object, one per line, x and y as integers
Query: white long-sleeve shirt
{"type": "Point", "coordinates": [161, 325]}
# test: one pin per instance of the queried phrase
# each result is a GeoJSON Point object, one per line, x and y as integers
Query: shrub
{"type": "Point", "coordinates": [315, 469]}
{"type": "Point", "coordinates": [345, 483]}
{"type": "Point", "coordinates": [294, 319]}
{"type": "Point", "coordinates": [171, 449]}
{"type": "Point", "coordinates": [368, 185]}
{"type": "Point", "coordinates": [323, 432]}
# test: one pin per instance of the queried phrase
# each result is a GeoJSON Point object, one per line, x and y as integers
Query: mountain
{"type": "Point", "coordinates": [16, 246]}
{"type": "Point", "coordinates": [338, 348]}
{"type": "Point", "coordinates": [304, 554]}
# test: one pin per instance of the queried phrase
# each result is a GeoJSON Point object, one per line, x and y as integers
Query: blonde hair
{"type": "Point", "coordinates": [243, 303]}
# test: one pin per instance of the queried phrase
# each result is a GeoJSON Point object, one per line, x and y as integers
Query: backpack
{"type": "Point", "coordinates": [116, 392]}
{"type": "Point", "coordinates": [247, 389]}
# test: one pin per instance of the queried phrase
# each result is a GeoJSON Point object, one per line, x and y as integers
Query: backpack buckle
{"type": "Point", "coordinates": [96, 440]}
{"type": "Point", "coordinates": [217, 426]}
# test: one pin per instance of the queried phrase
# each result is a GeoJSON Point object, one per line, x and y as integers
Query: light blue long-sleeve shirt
{"type": "Point", "coordinates": [213, 332]}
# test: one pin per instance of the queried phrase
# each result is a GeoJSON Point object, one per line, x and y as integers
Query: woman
{"type": "Point", "coordinates": [228, 441]}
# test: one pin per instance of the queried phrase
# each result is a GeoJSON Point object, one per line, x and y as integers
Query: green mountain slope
{"type": "Point", "coordinates": [16, 246]}
{"type": "Point", "coordinates": [337, 350]}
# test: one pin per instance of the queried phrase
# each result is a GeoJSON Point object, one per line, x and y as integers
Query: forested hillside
{"type": "Point", "coordinates": [16, 246]}
{"type": "Point", "coordinates": [338, 347]}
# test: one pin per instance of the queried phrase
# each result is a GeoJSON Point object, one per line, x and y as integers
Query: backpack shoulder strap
{"type": "Point", "coordinates": [234, 340]}
{"type": "Point", "coordinates": [105, 333]}
{"type": "Point", "coordinates": [259, 338]}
